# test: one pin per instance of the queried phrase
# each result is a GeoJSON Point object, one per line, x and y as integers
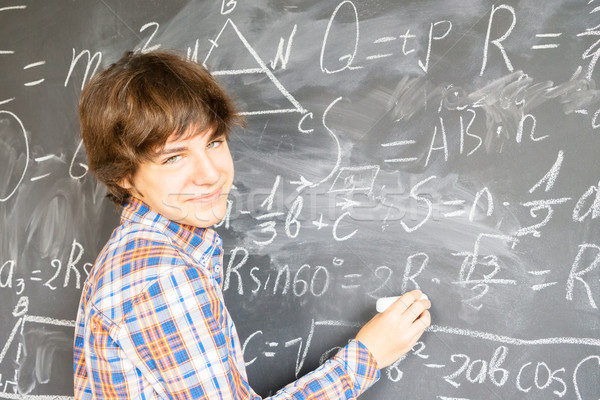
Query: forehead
{"type": "Point", "coordinates": [191, 133]}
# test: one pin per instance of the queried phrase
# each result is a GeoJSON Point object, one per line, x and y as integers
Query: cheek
{"type": "Point", "coordinates": [231, 169]}
{"type": "Point", "coordinates": [168, 185]}
{"type": "Point", "coordinates": [225, 163]}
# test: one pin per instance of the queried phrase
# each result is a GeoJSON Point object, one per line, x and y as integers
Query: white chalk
{"type": "Point", "coordinates": [384, 302]}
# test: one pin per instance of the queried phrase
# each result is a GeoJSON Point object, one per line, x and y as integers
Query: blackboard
{"type": "Point", "coordinates": [447, 145]}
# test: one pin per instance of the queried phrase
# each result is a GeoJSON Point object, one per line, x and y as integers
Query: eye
{"type": "Point", "coordinates": [172, 160]}
{"type": "Point", "coordinates": [214, 143]}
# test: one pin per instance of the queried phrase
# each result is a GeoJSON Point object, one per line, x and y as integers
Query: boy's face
{"type": "Point", "coordinates": [188, 181]}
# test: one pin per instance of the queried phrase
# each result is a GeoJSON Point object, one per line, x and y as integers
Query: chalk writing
{"type": "Point", "coordinates": [446, 147]}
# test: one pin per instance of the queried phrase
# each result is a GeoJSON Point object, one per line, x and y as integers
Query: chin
{"type": "Point", "coordinates": [207, 219]}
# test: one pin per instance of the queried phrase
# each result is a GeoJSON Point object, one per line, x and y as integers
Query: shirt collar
{"type": "Point", "coordinates": [200, 243]}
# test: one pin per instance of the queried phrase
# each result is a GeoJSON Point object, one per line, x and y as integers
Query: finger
{"type": "Point", "coordinates": [427, 303]}
{"type": "Point", "coordinates": [415, 310]}
{"type": "Point", "coordinates": [420, 324]}
{"type": "Point", "coordinates": [424, 319]}
{"type": "Point", "coordinates": [405, 301]}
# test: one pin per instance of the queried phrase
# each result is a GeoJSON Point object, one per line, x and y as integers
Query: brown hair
{"type": "Point", "coordinates": [130, 110]}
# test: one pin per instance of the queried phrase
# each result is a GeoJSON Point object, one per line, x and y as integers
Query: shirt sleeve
{"type": "Point", "coordinates": [175, 335]}
{"type": "Point", "coordinates": [347, 375]}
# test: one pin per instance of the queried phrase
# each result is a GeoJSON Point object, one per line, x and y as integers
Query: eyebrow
{"type": "Point", "coordinates": [174, 150]}
{"type": "Point", "coordinates": [166, 152]}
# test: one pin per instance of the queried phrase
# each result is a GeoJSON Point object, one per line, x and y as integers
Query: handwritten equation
{"type": "Point", "coordinates": [445, 147]}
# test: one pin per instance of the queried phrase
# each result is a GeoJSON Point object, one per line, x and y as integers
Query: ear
{"type": "Point", "coordinates": [125, 183]}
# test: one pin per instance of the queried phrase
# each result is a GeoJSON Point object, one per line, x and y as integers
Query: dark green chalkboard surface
{"type": "Point", "coordinates": [451, 146]}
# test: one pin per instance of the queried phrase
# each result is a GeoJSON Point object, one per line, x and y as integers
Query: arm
{"type": "Point", "coordinates": [352, 371]}
{"type": "Point", "coordinates": [381, 341]}
{"type": "Point", "coordinates": [178, 338]}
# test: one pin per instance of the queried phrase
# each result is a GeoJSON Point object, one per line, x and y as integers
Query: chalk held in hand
{"type": "Point", "coordinates": [384, 302]}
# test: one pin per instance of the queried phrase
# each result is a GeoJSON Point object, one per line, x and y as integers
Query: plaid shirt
{"type": "Point", "coordinates": [152, 323]}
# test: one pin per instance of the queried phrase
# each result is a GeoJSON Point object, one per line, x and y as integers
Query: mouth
{"type": "Point", "coordinates": [209, 198]}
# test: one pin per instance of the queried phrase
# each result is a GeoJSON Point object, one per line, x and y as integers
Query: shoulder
{"type": "Point", "coordinates": [134, 258]}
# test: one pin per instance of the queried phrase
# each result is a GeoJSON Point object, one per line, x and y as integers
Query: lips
{"type": "Point", "coordinates": [209, 198]}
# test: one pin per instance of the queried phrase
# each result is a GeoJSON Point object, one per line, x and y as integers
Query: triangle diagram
{"type": "Point", "coordinates": [253, 65]}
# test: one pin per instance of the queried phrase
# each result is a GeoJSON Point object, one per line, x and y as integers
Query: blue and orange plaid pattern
{"type": "Point", "coordinates": [152, 323]}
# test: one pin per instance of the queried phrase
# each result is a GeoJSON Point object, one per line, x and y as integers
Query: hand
{"type": "Point", "coordinates": [392, 333]}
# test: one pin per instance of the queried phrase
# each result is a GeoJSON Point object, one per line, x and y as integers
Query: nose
{"type": "Point", "coordinates": [206, 171]}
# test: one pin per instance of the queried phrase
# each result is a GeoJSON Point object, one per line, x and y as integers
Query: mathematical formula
{"type": "Point", "coordinates": [440, 146]}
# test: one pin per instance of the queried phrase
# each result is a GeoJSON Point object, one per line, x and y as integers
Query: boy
{"type": "Point", "coordinates": [152, 322]}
